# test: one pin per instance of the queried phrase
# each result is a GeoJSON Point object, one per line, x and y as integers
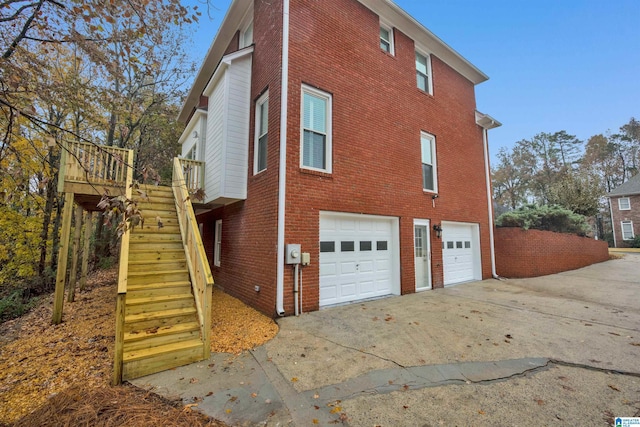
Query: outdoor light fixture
{"type": "Point", "coordinates": [438, 229]}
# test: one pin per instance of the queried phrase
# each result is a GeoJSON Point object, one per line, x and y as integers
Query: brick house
{"type": "Point", "coordinates": [624, 204]}
{"type": "Point", "coordinates": [347, 128]}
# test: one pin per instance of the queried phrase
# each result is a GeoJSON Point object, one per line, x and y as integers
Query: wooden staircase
{"type": "Point", "coordinates": [161, 326]}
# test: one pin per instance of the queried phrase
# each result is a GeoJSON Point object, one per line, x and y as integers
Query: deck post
{"type": "Point", "coordinates": [88, 229]}
{"type": "Point", "coordinates": [63, 255]}
{"type": "Point", "coordinates": [77, 234]}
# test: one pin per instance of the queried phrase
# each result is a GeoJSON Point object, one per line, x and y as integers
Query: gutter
{"type": "Point", "coordinates": [487, 122]}
{"type": "Point", "coordinates": [282, 169]}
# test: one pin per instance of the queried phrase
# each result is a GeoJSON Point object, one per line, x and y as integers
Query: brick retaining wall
{"type": "Point", "coordinates": [532, 253]}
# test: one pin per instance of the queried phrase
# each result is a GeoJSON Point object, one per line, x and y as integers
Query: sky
{"type": "Point", "coordinates": [553, 65]}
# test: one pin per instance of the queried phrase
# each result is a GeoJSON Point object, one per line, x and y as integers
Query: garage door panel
{"type": "Point", "coordinates": [460, 255]}
{"type": "Point", "coordinates": [362, 249]}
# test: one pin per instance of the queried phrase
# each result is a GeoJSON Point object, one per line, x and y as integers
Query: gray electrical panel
{"type": "Point", "coordinates": [293, 253]}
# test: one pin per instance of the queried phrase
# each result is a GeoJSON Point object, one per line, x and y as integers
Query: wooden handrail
{"type": "Point", "coordinates": [193, 174]}
{"type": "Point", "coordinates": [96, 164]}
{"type": "Point", "coordinates": [123, 271]}
{"type": "Point", "coordinates": [199, 270]}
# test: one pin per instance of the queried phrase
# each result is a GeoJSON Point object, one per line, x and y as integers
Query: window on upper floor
{"type": "Point", "coordinates": [246, 37]}
{"type": "Point", "coordinates": [624, 204]}
{"type": "Point", "coordinates": [386, 38]}
{"type": "Point", "coordinates": [217, 245]}
{"type": "Point", "coordinates": [627, 230]}
{"type": "Point", "coordinates": [423, 72]}
{"type": "Point", "coordinates": [429, 175]}
{"type": "Point", "coordinates": [316, 130]}
{"type": "Point", "coordinates": [262, 131]}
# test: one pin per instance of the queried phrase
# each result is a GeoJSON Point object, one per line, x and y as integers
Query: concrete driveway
{"type": "Point", "coordinates": [556, 350]}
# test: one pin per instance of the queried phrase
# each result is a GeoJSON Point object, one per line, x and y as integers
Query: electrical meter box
{"type": "Point", "coordinates": [293, 253]}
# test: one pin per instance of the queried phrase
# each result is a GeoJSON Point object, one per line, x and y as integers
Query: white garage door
{"type": "Point", "coordinates": [357, 258]}
{"type": "Point", "coordinates": [460, 253]}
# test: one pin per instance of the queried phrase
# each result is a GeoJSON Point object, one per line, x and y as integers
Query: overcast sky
{"type": "Point", "coordinates": [553, 64]}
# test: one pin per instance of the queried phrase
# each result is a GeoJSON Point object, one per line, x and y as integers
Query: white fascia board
{"type": "Point", "coordinates": [191, 125]}
{"type": "Point", "coordinates": [394, 15]}
{"type": "Point", "coordinates": [230, 25]}
{"type": "Point", "coordinates": [222, 67]}
{"type": "Point", "coordinates": [486, 121]}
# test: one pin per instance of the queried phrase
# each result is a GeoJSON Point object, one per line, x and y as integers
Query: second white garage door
{"type": "Point", "coordinates": [460, 252]}
{"type": "Point", "coordinates": [358, 257]}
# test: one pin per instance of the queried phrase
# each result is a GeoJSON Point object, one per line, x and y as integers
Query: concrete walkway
{"type": "Point", "coordinates": [558, 349]}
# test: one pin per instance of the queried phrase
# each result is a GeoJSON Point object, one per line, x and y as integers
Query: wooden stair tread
{"type": "Point", "coordinates": [145, 286]}
{"type": "Point", "coordinates": [133, 355]}
{"type": "Point", "coordinates": [132, 318]}
{"type": "Point", "coordinates": [156, 273]}
{"type": "Point", "coordinates": [159, 298]}
{"type": "Point", "coordinates": [157, 332]}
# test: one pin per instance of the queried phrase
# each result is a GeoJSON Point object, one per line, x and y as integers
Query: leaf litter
{"type": "Point", "coordinates": [61, 374]}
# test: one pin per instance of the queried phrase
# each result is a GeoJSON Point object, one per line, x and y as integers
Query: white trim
{"type": "Point", "coordinates": [222, 67]}
{"type": "Point", "coordinates": [629, 223]}
{"type": "Point", "coordinates": [329, 115]}
{"type": "Point", "coordinates": [217, 247]}
{"type": "Point", "coordinates": [282, 171]}
{"type": "Point", "coordinates": [188, 130]}
{"type": "Point", "coordinates": [258, 113]}
{"type": "Point", "coordinates": [427, 57]}
{"type": "Point", "coordinates": [434, 161]}
{"type": "Point", "coordinates": [427, 223]}
{"type": "Point", "coordinates": [391, 40]}
{"type": "Point", "coordinates": [628, 208]}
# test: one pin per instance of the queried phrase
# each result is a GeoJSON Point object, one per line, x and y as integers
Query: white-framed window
{"type": "Point", "coordinates": [423, 72]}
{"type": "Point", "coordinates": [246, 37]}
{"type": "Point", "coordinates": [624, 204]}
{"type": "Point", "coordinates": [627, 230]}
{"type": "Point", "coordinates": [217, 243]}
{"type": "Point", "coordinates": [316, 130]}
{"type": "Point", "coordinates": [192, 153]}
{"type": "Point", "coordinates": [262, 132]}
{"type": "Point", "coordinates": [386, 38]}
{"type": "Point", "coordinates": [429, 172]}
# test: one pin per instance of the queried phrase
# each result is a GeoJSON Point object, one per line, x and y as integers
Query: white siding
{"type": "Point", "coordinates": [226, 151]}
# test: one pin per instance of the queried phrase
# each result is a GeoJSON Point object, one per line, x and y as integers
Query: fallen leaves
{"type": "Point", "coordinates": [236, 327]}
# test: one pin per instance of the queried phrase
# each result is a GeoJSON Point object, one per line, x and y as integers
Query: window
{"type": "Point", "coordinates": [262, 129]}
{"type": "Point", "coordinates": [192, 153]}
{"type": "Point", "coordinates": [217, 243]}
{"type": "Point", "coordinates": [381, 245]}
{"type": "Point", "coordinates": [386, 38]}
{"type": "Point", "coordinates": [627, 230]}
{"type": "Point", "coordinates": [246, 38]}
{"type": "Point", "coordinates": [347, 247]}
{"type": "Point", "coordinates": [624, 204]}
{"type": "Point", "coordinates": [428, 147]}
{"type": "Point", "coordinates": [423, 72]}
{"type": "Point", "coordinates": [327, 246]}
{"type": "Point", "coordinates": [316, 130]}
{"type": "Point", "coordinates": [365, 246]}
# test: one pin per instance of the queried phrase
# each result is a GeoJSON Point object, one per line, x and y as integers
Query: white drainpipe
{"type": "Point", "coordinates": [489, 203]}
{"type": "Point", "coordinates": [282, 174]}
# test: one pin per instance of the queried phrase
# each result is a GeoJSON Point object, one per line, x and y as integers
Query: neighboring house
{"type": "Point", "coordinates": [624, 203]}
{"type": "Point", "coordinates": [348, 128]}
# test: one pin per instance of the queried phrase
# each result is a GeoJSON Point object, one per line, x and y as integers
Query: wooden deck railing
{"type": "Point", "coordinates": [199, 270]}
{"type": "Point", "coordinates": [95, 164]}
{"type": "Point", "coordinates": [193, 171]}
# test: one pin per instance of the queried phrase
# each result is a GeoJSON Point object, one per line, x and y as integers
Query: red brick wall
{"type": "Point", "coordinates": [532, 253]}
{"type": "Point", "coordinates": [618, 216]}
{"type": "Point", "coordinates": [249, 228]}
{"type": "Point", "coordinates": [378, 113]}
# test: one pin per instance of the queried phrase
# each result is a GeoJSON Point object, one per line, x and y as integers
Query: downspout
{"type": "Point", "coordinates": [282, 170]}
{"type": "Point", "coordinates": [485, 131]}
{"type": "Point", "coordinates": [613, 226]}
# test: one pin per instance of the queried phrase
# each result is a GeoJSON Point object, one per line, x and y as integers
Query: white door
{"type": "Point", "coordinates": [460, 253]}
{"type": "Point", "coordinates": [357, 258]}
{"type": "Point", "coordinates": [422, 254]}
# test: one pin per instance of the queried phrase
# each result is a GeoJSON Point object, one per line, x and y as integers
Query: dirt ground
{"type": "Point", "coordinates": [60, 375]}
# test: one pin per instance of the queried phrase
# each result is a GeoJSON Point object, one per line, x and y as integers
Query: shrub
{"type": "Point", "coordinates": [549, 218]}
{"type": "Point", "coordinates": [635, 243]}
